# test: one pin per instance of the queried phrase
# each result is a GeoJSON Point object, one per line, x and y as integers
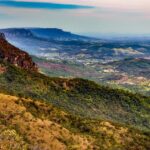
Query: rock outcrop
{"type": "Point", "coordinates": [15, 56]}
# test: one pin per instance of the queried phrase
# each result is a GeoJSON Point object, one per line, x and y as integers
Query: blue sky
{"type": "Point", "coordinates": [94, 17]}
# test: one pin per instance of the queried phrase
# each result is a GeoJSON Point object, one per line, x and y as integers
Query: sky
{"type": "Point", "coordinates": [91, 17]}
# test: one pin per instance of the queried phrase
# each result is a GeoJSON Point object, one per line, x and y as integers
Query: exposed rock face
{"type": "Point", "coordinates": [15, 56]}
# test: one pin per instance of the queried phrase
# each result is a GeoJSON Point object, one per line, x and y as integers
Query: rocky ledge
{"type": "Point", "coordinates": [15, 56]}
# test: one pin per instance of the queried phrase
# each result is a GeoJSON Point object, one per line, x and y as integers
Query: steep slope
{"type": "Point", "coordinates": [77, 96]}
{"type": "Point", "coordinates": [15, 56]}
{"type": "Point", "coordinates": [28, 124]}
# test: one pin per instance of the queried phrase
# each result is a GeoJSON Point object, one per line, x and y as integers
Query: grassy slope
{"type": "Point", "coordinates": [79, 97]}
{"type": "Point", "coordinates": [27, 124]}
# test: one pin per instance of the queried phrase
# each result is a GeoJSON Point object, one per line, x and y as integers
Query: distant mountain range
{"type": "Point", "coordinates": [45, 33]}
{"type": "Point", "coordinates": [37, 41]}
{"type": "Point", "coordinates": [12, 32]}
{"type": "Point", "coordinates": [53, 43]}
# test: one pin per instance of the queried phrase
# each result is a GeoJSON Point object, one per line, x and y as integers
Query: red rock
{"type": "Point", "coordinates": [15, 56]}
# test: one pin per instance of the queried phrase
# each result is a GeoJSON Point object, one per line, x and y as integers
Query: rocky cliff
{"type": "Point", "coordinates": [15, 56]}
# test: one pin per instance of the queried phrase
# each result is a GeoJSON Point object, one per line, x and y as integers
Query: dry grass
{"type": "Point", "coordinates": [38, 133]}
{"type": "Point", "coordinates": [35, 125]}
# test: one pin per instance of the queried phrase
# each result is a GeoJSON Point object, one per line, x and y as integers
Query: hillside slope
{"type": "Point", "coordinates": [77, 96]}
{"type": "Point", "coordinates": [55, 113]}
{"type": "Point", "coordinates": [27, 124]}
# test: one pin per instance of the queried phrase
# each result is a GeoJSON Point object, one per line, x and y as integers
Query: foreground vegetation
{"type": "Point", "coordinates": [27, 124]}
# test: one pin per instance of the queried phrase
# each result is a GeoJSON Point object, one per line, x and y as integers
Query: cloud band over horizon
{"type": "Point", "coordinates": [41, 5]}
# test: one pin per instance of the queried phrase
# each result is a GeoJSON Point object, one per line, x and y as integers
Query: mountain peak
{"type": "Point", "coordinates": [15, 56]}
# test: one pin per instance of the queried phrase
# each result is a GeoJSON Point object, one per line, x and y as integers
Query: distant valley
{"type": "Point", "coordinates": [61, 45]}
{"type": "Point", "coordinates": [119, 63]}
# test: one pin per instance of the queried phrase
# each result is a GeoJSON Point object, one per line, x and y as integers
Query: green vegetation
{"type": "Point", "coordinates": [60, 68]}
{"type": "Point", "coordinates": [79, 97]}
{"type": "Point", "coordinates": [130, 74]}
